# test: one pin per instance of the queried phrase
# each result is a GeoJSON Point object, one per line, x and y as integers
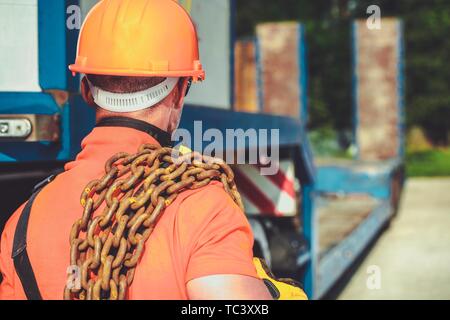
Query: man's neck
{"type": "Point", "coordinates": [163, 137]}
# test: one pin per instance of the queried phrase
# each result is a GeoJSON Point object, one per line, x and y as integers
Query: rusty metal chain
{"type": "Point", "coordinates": [135, 190]}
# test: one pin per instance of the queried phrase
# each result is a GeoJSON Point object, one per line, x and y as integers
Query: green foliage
{"type": "Point", "coordinates": [428, 72]}
{"type": "Point", "coordinates": [431, 163]}
{"type": "Point", "coordinates": [328, 41]}
{"type": "Point", "coordinates": [327, 22]}
{"type": "Point", "coordinates": [325, 144]}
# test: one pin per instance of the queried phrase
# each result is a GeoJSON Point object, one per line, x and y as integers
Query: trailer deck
{"type": "Point", "coordinates": [339, 216]}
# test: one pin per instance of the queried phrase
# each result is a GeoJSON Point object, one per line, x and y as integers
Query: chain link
{"type": "Point", "coordinates": [135, 190]}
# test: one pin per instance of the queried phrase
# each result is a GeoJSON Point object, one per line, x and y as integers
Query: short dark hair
{"type": "Point", "coordinates": [120, 84]}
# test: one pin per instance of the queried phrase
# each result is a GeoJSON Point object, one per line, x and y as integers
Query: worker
{"type": "Point", "coordinates": [138, 58]}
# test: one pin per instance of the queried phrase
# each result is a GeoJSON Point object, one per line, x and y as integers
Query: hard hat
{"type": "Point", "coordinates": [148, 38]}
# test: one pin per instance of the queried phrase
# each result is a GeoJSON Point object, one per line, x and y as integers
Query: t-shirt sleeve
{"type": "Point", "coordinates": [220, 237]}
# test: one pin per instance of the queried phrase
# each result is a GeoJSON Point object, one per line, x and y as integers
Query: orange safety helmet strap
{"type": "Point", "coordinates": [139, 38]}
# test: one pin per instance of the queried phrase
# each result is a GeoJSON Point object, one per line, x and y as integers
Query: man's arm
{"type": "Point", "coordinates": [220, 251]}
{"type": "Point", "coordinates": [227, 287]}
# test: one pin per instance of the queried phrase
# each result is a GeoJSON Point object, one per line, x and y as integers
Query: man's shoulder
{"type": "Point", "coordinates": [213, 195]}
{"type": "Point", "coordinates": [207, 205]}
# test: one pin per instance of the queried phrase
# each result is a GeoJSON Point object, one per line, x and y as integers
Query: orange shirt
{"type": "Point", "coordinates": [202, 233]}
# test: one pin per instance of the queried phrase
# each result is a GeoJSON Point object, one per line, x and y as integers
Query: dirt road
{"type": "Point", "coordinates": [410, 260]}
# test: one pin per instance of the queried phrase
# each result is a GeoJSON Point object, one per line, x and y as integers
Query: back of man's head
{"type": "Point", "coordinates": [150, 99]}
{"type": "Point", "coordinates": [119, 84]}
{"type": "Point", "coordinates": [134, 54]}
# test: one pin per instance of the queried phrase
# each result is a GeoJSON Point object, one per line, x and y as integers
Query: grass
{"type": "Point", "coordinates": [324, 142]}
{"type": "Point", "coordinates": [430, 163]}
{"type": "Point", "coordinates": [422, 158]}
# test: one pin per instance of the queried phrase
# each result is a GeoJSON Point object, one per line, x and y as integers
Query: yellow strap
{"type": "Point", "coordinates": [184, 150]}
{"type": "Point", "coordinates": [281, 289]}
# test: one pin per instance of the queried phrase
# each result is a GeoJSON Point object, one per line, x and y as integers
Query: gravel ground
{"type": "Point", "coordinates": [412, 257]}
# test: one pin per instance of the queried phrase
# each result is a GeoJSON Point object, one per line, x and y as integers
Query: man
{"type": "Point", "coordinates": [139, 57]}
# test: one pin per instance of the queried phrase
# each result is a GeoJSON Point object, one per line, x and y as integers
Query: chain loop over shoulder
{"type": "Point", "coordinates": [134, 190]}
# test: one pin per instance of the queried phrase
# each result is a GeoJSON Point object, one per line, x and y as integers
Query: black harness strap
{"type": "Point", "coordinates": [22, 262]}
{"type": "Point", "coordinates": [163, 137]}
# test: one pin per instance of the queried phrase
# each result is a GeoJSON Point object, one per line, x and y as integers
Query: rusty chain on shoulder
{"type": "Point", "coordinates": [135, 190]}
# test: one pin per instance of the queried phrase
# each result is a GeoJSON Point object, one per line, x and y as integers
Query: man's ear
{"type": "Point", "coordinates": [86, 92]}
{"type": "Point", "coordinates": [182, 90]}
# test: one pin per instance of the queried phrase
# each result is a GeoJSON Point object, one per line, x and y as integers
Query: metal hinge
{"type": "Point", "coordinates": [29, 127]}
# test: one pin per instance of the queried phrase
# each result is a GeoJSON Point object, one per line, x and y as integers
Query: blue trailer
{"type": "Point", "coordinates": [353, 200]}
{"type": "Point", "coordinates": [43, 119]}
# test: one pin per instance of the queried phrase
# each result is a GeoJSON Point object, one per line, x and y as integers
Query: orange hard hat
{"type": "Point", "coordinates": [151, 38]}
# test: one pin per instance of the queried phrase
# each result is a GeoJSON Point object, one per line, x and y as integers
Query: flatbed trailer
{"type": "Point", "coordinates": [335, 208]}
{"type": "Point", "coordinates": [356, 199]}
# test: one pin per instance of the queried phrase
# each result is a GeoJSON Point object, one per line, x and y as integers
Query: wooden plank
{"type": "Point", "coordinates": [378, 99]}
{"type": "Point", "coordinates": [335, 261]}
{"type": "Point", "coordinates": [279, 47]}
{"type": "Point", "coordinates": [340, 216]}
{"type": "Point", "coordinates": [245, 90]}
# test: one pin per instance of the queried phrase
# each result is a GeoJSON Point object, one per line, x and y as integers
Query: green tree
{"type": "Point", "coordinates": [327, 22]}
{"type": "Point", "coordinates": [427, 26]}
